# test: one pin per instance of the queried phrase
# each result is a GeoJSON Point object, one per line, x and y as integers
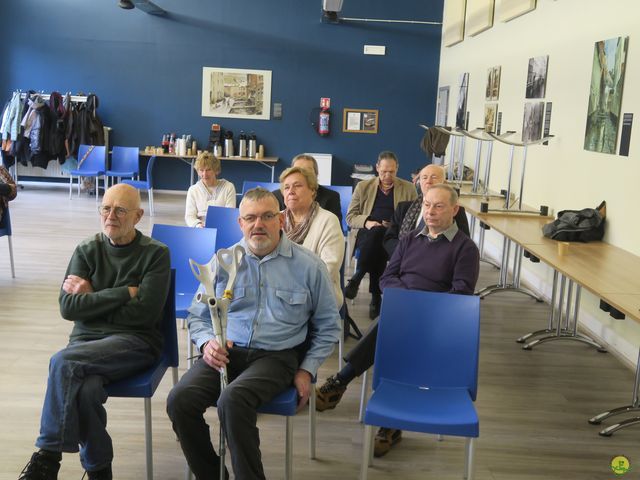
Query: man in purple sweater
{"type": "Point", "coordinates": [436, 258]}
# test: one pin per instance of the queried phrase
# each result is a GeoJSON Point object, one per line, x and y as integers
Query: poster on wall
{"type": "Point", "coordinates": [461, 112]}
{"type": "Point", "coordinates": [490, 114]}
{"type": "Point", "coordinates": [532, 121]}
{"type": "Point", "coordinates": [605, 95]}
{"type": "Point", "coordinates": [236, 93]}
{"type": "Point", "coordinates": [453, 22]}
{"type": "Point", "coordinates": [479, 16]}
{"type": "Point", "coordinates": [510, 9]}
{"type": "Point", "coordinates": [493, 83]}
{"type": "Point", "coordinates": [443, 106]}
{"type": "Point", "coordinates": [537, 77]}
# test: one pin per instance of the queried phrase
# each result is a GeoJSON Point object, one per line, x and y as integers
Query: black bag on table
{"type": "Point", "coordinates": [584, 225]}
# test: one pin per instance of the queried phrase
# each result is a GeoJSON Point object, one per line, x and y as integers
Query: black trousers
{"type": "Point", "coordinates": [362, 355]}
{"type": "Point", "coordinates": [373, 256]}
{"type": "Point", "coordinates": [255, 377]}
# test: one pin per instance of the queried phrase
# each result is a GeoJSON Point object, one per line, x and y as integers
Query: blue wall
{"type": "Point", "coordinates": [147, 71]}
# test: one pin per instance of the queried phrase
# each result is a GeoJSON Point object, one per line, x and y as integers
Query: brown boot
{"type": "Point", "coordinates": [385, 439]}
{"type": "Point", "coordinates": [329, 394]}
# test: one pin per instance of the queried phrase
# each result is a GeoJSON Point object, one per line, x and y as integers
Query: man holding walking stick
{"type": "Point", "coordinates": [282, 323]}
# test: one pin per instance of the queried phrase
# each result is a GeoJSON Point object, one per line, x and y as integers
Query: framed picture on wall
{"type": "Point", "coordinates": [493, 83]}
{"type": "Point", "coordinates": [537, 77]}
{"type": "Point", "coordinates": [358, 120]}
{"type": "Point", "coordinates": [532, 121]}
{"type": "Point", "coordinates": [236, 93]}
{"type": "Point", "coordinates": [490, 113]}
{"type": "Point", "coordinates": [479, 16]}
{"type": "Point", "coordinates": [461, 111]}
{"type": "Point", "coordinates": [510, 9]}
{"type": "Point", "coordinates": [453, 22]}
{"type": "Point", "coordinates": [442, 108]}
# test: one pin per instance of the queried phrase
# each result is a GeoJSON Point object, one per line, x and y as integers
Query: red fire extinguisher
{"type": "Point", "coordinates": [323, 123]}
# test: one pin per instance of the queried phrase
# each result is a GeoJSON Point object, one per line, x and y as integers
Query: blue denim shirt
{"type": "Point", "coordinates": [276, 300]}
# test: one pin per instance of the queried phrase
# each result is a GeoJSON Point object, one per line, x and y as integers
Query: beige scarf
{"type": "Point", "coordinates": [298, 232]}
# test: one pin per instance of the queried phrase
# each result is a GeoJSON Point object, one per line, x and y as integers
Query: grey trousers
{"type": "Point", "coordinates": [255, 377]}
{"type": "Point", "coordinates": [362, 355]}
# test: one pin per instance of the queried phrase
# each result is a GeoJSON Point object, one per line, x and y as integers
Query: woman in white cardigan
{"type": "Point", "coordinates": [309, 225]}
{"type": "Point", "coordinates": [210, 190]}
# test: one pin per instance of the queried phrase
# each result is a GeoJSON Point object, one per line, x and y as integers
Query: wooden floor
{"type": "Point", "coordinates": [533, 406]}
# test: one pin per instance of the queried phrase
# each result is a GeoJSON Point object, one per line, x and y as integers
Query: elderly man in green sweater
{"type": "Point", "coordinates": [114, 291]}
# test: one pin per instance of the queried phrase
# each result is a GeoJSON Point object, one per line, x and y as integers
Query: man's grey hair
{"type": "Point", "coordinates": [453, 195]}
{"type": "Point", "coordinates": [257, 194]}
{"type": "Point", "coordinates": [387, 155]}
{"type": "Point", "coordinates": [309, 158]}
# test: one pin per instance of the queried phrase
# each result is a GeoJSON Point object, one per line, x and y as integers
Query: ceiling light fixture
{"type": "Point", "coordinates": [126, 4]}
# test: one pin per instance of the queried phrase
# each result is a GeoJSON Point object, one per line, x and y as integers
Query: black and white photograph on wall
{"type": "Point", "coordinates": [493, 83]}
{"type": "Point", "coordinates": [236, 93]}
{"type": "Point", "coordinates": [532, 121]}
{"type": "Point", "coordinates": [490, 113]}
{"type": "Point", "coordinates": [605, 95]}
{"type": "Point", "coordinates": [537, 77]}
{"type": "Point", "coordinates": [443, 106]}
{"type": "Point", "coordinates": [461, 112]}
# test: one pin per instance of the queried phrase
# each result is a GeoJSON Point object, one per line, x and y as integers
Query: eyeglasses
{"type": "Point", "coordinates": [265, 217]}
{"type": "Point", "coordinates": [105, 211]}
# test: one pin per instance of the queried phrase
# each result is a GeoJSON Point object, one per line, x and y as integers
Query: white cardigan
{"type": "Point", "coordinates": [200, 197]}
{"type": "Point", "coordinates": [326, 240]}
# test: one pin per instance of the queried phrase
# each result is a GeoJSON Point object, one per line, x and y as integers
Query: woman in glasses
{"type": "Point", "coordinates": [309, 225]}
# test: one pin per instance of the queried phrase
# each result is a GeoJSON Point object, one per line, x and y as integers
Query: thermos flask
{"type": "Point", "coordinates": [242, 144]}
{"type": "Point", "coordinates": [252, 146]}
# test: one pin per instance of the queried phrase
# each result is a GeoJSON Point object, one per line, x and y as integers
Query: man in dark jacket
{"type": "Point", "coordinates": [326, 198]}
{"type": "Point", "coordinates": [408, 215]}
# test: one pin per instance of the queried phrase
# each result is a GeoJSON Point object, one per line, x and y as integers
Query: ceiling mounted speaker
{"type": "Point", "coordinates": [332, 5]}
{"type": "Point", "coordinates": [126, 4]}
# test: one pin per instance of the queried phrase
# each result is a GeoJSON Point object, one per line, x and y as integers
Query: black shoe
{"type": "Point", "coordinates": [42, 466]}
{"type": "Point", "coordinates": [374, 306]}
{"type": "Point", "coordinates": [351, 290]}
{"type": "Point", "coordinates": [103, 474]}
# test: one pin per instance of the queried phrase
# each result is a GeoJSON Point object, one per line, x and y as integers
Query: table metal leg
{"type": "Point", "coordinates": [634, 406]}
{"type": "Point", "coordinates": [552, 314]}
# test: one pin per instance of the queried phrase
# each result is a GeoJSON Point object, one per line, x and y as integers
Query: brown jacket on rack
{"type": "Point", "coordinates": [8, 190]}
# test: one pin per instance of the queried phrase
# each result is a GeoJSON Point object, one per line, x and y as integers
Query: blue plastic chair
{"type": "Point", "coordinates": [145, 184]}
{"type": "Point", "coordinates": [124, 163]}
{"type": "Point", "coordinates": [5, 231]}
{"type": "Point", "coordinates": [345, 199]}
{"type": "Point", "coordinates": [185, 243]}
{"type": "Point", "coordinates": [144, 384]}
{"type": "Point", "coordinates": [94, 165]}
{"type": "Point", "coordinates": [426, 369]}
{"type": "Point", "coordinates": [248, 185]}
{"type": "Point", "coordinates": [225, 220]}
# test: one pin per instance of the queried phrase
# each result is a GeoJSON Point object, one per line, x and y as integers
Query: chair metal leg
{"type": "Point", "coordinates": [341, 344]}
{"type": "Point", "coordinates": [97, 189]}
{"type": "Point", "coordinates": [148, 437]}
{"type": "Point", "coordinates": [363, 396]}
{"type": "Point", "coordinates": [13, 268]}
{"type": "Point", "coordinates": [288, 471]}
{"type": "Point", "coordinates": [312, 423]}
{"type": "Point", "coordinates": [189, 350]}
{"type": "Point", "coordinates": [469, 454]}
{"type": "Point", "coordinates": [70, 186]}
{"type": "Point", "coordinates": [367, 445]}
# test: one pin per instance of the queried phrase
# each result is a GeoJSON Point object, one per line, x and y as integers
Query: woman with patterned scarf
{"type": "Point", "coordinates": [311, 226]}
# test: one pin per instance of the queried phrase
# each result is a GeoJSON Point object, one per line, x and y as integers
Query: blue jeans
{"type": "Point", "coordinates": [73, 414]}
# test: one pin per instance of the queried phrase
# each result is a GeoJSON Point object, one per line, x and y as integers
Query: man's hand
{"type": "Point", "coordinates": [74, 284]}
{"type": "Point", "coordinates": [302, 382]}
{"type": "Point", "coordinates": [214, 355]}
{"type": "Point", "coordinates": [133, 291]}
{"type": "Point", "coordinates": [369, 224]}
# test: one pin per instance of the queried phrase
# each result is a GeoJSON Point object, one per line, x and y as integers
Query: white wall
{"type": "Point", "coordinates": [562, 175]}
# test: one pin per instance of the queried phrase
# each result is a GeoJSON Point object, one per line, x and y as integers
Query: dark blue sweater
{"type": "Point", "coordinates": [433, 266]}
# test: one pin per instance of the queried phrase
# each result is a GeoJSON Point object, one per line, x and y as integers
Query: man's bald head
{"type": "Point", "coordinates": [430, 175]}
{"type": "Point", "coordinates": [120, 212]}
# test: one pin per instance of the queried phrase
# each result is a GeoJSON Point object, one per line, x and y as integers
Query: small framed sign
{"type": "Point", "coordinates": [358, 120]}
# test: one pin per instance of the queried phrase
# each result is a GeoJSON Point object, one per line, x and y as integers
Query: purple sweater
{"type": "Point", "coordinates": [440, 266]}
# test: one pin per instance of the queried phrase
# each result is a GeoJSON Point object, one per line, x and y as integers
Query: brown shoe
{"type": "Point", "coordinates": [329, 394]}
{"type": "Point", "coordinates": [385, 439]}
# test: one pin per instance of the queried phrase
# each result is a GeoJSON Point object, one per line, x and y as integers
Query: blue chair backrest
{"type": "Point", "coordinates": [125, 159]}
{"type": "Point", "coordinates": [225, 220]}
{"type": "Point", "coordinates": [150, 165]}
{"type": "Point", "coordinates": [96, 160]}
{"type": "Point", "coordinates": [345, 193]}
{"type": "Point", "coordinates": [185, 243]}
{"type": "Point", "coordinates": [248, 185]}
{"type": "Point", "coordinates": [428, 339]}
{"type": "Point", "coordinates": [170, 346]}
{"type": "Point", "coordinates": [5, 223]}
